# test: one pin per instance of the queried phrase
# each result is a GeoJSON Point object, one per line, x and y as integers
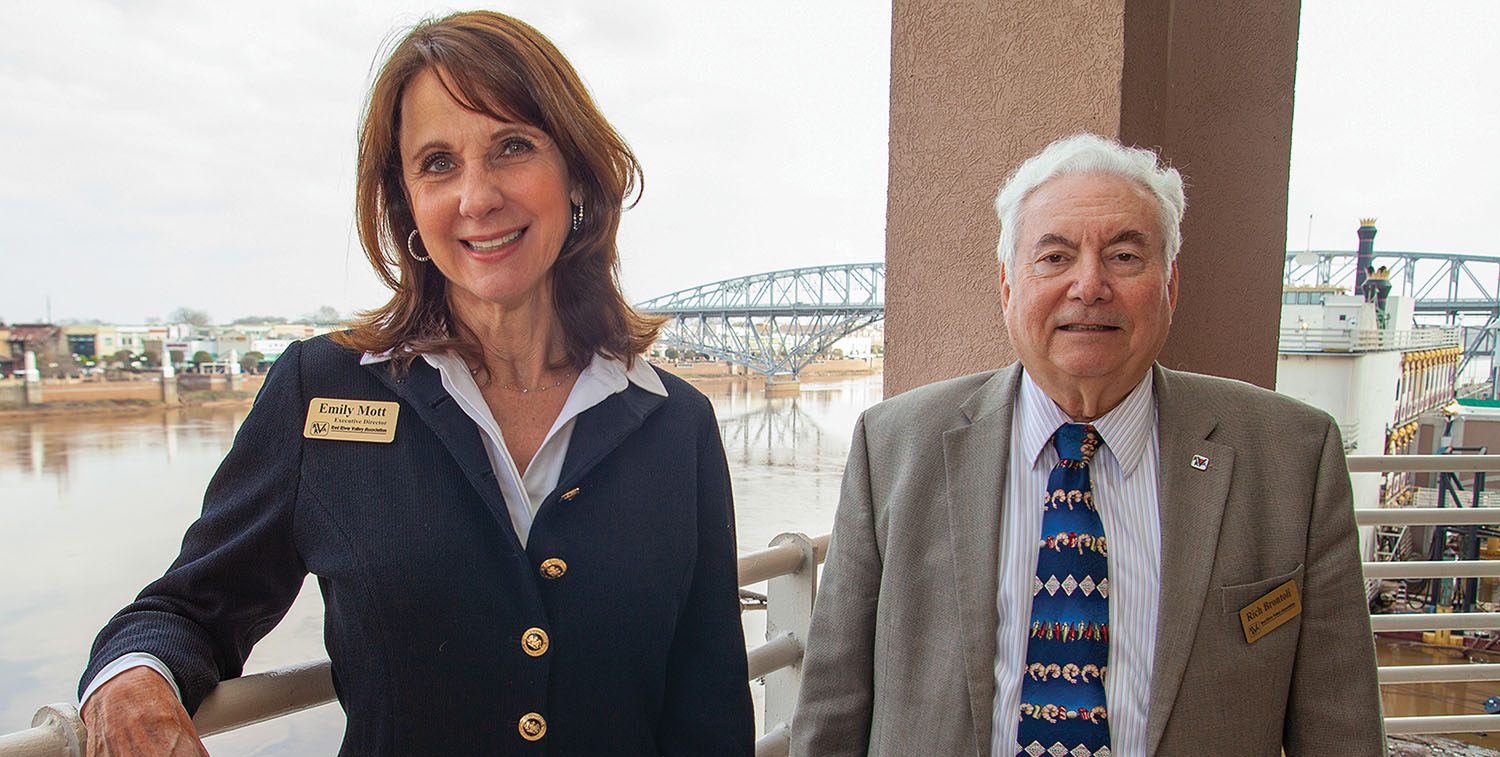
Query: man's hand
{"type": "Point", "coordinates": [136, 713]}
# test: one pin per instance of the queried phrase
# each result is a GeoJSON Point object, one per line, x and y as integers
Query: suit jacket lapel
{"type": "Point", "coordinates": [975, 457]}
{"type": "Point", "coordinates": [603, 427]}
{"type": "Point", "coordinates": [422, 388]}
{"type": "Point", "coordinates": [1191, 508]}
{"type": "Point", "coordinates": [596, 432]}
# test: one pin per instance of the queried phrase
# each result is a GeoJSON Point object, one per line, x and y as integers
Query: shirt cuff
{"type": "Point", "coordinates": [124, 663]}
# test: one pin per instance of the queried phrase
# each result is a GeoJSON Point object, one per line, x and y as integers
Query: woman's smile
{"type": "Point", "coordinates": [492, 244]}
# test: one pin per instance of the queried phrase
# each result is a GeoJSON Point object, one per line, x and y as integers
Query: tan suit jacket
{"type": "Point", "coordinates": [901, 656]}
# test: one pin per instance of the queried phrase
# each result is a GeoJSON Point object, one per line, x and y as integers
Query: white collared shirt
{"type": "Point", "coordinates": [523, 493]}
{"type": "Point", "coordinates": [1124, 480]}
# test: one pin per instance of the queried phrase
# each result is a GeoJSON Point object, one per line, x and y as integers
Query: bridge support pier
{"type": "Point", "coordinates": [782, 387]}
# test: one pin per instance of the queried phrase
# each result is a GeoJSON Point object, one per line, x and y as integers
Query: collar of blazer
{"type": "Point", "coordinates": [596, 433]}
{"type": "Point", "coordinates": [1192, 505]}
{"type": "Point", "coordinates": [974, 458]}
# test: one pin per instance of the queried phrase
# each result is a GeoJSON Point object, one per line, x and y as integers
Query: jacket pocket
{"type": "Point", "coordinates": [1239, 596]}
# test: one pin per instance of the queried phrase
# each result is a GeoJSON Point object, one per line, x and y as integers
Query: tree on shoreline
{"type": "Point", "coordinates": [191, 316]}
{"type": "Point", "coordinates": [250, 363]}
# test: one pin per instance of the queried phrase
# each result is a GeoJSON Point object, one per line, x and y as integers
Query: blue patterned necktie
{"type": "Point", "coordinates": [1063, 712]}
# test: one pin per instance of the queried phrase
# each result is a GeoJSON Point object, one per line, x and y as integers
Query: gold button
{"type": "Point", "coordinates": [534, 642]}
{"type": "Point", "coordinates": [553, 568]}
{"type": "Point", "coordinates": [532, 726]}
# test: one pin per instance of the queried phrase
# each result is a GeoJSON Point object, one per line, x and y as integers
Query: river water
{"type": "Point", "coordinates": [93, 508]}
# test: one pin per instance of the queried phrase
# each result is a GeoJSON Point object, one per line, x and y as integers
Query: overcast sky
{"type": "Point", "coordinates": [1397, 111]}
{"type": "Point", "coordinates": [166, 153]}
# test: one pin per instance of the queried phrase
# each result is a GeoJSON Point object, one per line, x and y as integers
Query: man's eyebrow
{"type": "Point", "coordinates": [1128, 235]}
{"type": "Point", "coordinates": [1047, 240]}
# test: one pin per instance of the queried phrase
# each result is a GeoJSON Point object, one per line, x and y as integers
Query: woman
{"type": "Point", "coordinates": [522, 532]}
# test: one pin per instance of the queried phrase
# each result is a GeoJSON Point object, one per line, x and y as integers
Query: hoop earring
{"type": "Point", "coordinates": [412, 237]}
{"type": "Point", "coordinates": [578, 216]}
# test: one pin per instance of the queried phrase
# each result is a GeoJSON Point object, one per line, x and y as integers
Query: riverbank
{"type": "Point", "coordinates": [118, 398]}
{"type": "Point", "coordinates": [109, 407]}
{"type": "Point", "coordinates": [716, 372]}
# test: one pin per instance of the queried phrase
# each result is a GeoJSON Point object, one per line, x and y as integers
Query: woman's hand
{"type": "Point", "coordinates": [136, 713]}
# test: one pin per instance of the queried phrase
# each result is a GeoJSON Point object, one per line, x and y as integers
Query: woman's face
{"type": "Point", "coordinates": [490, 198]}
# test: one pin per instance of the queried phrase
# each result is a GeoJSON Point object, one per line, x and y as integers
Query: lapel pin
{"type": "Point", "coordinates": [1200, 462]}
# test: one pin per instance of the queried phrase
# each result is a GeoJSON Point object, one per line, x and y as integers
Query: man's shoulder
{"type": "Point", "coordinates": [1238, 402]}
{"type": "Point", "coordinates": [941, 401]}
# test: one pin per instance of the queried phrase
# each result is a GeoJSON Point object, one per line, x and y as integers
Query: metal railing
{"type": "Point", "coordinates": [1349, 432]}
{"type": "Point", "coordinates": [1432, 621]}
{"type": "Point", "coordinates": [1298, 339]}
{"type": "Point", "coordinates": [789, 567]}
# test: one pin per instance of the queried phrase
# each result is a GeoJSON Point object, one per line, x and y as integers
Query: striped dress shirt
{"type": "Point", "coordinates": [1124, 479]}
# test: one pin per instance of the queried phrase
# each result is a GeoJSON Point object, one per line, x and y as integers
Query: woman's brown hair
{"type": "Point", "coordinates": [496, 65]}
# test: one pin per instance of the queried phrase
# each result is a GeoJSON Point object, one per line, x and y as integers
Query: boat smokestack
{"type": "Point", "coordinates": [1364, 259]}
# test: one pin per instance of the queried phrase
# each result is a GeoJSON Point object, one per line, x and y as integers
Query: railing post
{"type": "Point", "coordinates": [56, 731]}
{"type": "Point", "coordinates": [32, 389]}
{"type": "Point", "coordinates": [65, 720]}
{"type": "Point", "coordinates": [789, 603]}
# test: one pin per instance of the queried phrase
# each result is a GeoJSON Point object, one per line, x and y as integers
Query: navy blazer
{"type": "Point", "coordinates": [429, 593]}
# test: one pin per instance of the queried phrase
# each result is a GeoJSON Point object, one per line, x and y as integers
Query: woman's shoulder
{"type": "Point", "coordinates": [680, 393]}
{"type": "Point", "coordinates": [308, 364]}
{"type": "Point", "coordinates": [322, 353]}
{"type": "Point", "coordinates": [674, 384]}
{"type": "Point", "coordinates": [326, 348]}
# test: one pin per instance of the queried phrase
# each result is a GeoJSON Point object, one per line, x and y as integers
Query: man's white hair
{"type": "Point", "coordinates": [1085, 154]}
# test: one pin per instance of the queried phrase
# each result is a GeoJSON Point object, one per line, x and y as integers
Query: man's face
{"type": "Point", "coordinates": [1091, 295]}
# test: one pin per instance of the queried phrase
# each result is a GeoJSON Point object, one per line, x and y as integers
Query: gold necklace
{"type": "Point", "coordinates": [530, 389]}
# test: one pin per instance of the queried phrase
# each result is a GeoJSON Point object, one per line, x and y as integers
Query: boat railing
{"type": "Point", "coordinates": [1299, 339]}
{"type": "Point", "coordinates": [789, 567]}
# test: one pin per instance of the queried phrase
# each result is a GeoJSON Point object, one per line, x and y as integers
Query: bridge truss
{"type": "Point", "coordinates": [1449, 289]}
{"type": "Point", "coordinates": [774, 323]}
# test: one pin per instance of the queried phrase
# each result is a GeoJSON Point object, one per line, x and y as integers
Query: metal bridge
{"type": "Point", "coordinates": [774, 323]}
{"type": "Point", "coordinates": [1449, 289]}
{"type": "Point", "coordinates": [1443, 283]}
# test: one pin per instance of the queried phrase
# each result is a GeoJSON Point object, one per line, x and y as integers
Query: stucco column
{"type": "Point", "coordinates": [976, 87]}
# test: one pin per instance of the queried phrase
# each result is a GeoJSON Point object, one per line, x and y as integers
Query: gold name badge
{"type": "Point", "coordinates": [351, 420]}
{"type": "Point", "coordinates": [1266, 614]}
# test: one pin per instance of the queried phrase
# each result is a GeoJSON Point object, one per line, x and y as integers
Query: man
{"type": "Point", "coordinates": [1223, 612]}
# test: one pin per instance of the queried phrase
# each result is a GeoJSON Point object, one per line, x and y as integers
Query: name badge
{"type": "Point", "coordinates": [1266, 614]}
{"type": "Point", "coordinates": [351, 420]}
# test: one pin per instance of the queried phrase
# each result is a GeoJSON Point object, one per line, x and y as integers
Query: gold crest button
{"type": "Point", "coordinates": [532, 726]}
{"type": "Point", "coordinates": [534, 642]}
{"type": "Point", "coordinates": [553, 568]}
